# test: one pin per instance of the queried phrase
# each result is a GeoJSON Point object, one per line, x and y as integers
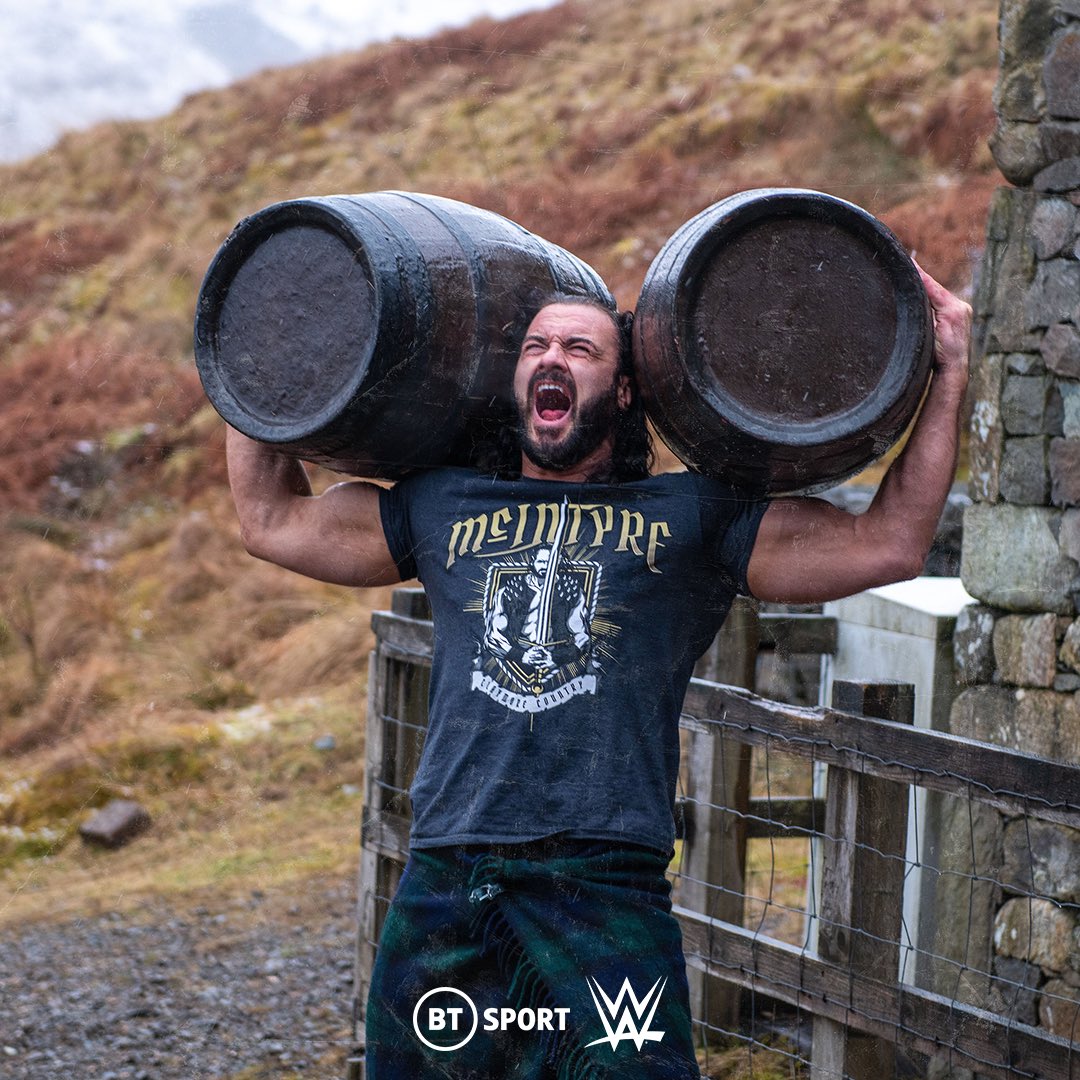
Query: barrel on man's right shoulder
{"type": "Point", "coordinates": [783, 339]}
{"type": "Point", "coordinates": [375, 334]}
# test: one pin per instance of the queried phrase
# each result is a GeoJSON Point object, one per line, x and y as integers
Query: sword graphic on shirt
{"type": "Point", "coordinates": [542, 629]}
{"type": "Point", "coordinates": [537, 648]}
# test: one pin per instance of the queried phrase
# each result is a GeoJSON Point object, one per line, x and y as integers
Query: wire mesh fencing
{"type": "Point", "coordinates": [908, 905]}
{"type": "Point", "coordinates": [859, 897]}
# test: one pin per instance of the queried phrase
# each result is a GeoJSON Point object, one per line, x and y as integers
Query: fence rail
{"type": "Point", "coordinates": [843, 979]}
{"type": "Point", "coordinates": [862, 746]}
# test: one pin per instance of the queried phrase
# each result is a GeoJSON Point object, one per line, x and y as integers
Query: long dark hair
{"type": "Point", "coordinates": [632, 453]}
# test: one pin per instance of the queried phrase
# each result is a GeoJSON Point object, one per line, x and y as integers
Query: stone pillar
{"type": "Point", "coordinates": [1018, 651]}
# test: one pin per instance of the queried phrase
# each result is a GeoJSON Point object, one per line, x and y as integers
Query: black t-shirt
{"type": "Point", "coordinates": [568, 618]}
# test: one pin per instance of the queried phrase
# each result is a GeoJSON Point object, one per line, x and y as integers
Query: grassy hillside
{"type": "Point", "coordinates": [140, 650]}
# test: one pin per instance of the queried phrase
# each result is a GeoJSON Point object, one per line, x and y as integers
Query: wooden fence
{"type": "Point", "coordinates": [863, 1017]}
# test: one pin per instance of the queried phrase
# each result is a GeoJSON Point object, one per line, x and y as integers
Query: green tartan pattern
{"type": "Point", "coordinates": [527, 927]}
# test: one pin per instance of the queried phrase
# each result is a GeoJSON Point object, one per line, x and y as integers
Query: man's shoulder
{"type": "Point", "coordinates": [442, 477]}
{"type": "Point", "coordinates": [689, 482]}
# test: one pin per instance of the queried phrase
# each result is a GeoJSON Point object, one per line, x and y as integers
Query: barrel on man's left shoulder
{"type": "Point", "coordinates": [783, 340]}
{"type": "Point", "coordinates": [375, 334]}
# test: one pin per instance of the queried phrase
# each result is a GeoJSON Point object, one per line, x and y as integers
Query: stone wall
{"type": "Point", "coordinates": [1018, 651]}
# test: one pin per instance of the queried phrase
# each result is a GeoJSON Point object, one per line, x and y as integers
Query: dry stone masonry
{"type": "Point", "coordinates": [1018, 650]}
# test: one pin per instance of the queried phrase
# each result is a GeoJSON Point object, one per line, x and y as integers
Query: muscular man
{"type": "Point", "coordinates": [542, 807]}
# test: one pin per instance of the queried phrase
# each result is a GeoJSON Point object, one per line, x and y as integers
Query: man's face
{"type": "Point", "coordinates": [567, 386]}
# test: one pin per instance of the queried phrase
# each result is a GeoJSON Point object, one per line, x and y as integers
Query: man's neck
{"type": "Point", "coordinates": [595, 467]}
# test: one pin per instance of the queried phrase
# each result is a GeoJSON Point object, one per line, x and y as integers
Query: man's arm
{"type": "Point", "coordinates": [335, 537]}
{"type": "Point", "coordinates": [808, 551]}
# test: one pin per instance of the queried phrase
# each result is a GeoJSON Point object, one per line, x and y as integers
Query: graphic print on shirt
{"type": "Point", "coordinates": [541, 643]}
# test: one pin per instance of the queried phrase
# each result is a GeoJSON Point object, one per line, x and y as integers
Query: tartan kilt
{"type": "Point", "coordinates": [550, 925]}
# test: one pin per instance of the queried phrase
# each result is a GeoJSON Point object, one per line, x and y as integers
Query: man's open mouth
{"type": "Point", "coordinates": [551, 400]}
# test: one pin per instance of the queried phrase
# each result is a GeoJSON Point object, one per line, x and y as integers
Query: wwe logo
{"type": "Point", "coordinates": [627, 1020]}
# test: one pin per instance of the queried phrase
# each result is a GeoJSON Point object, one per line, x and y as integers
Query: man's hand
{"type": "Point", "coordinates": [952, 333]}
{"type": "Point", "coordinates": [538, 656]}
{"type": "Point", "coordinates": [335, 537]}
{"type": "Point", "coordinates": [808, 551]}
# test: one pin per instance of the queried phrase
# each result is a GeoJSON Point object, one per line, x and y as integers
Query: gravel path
{"type": "Point", "coordinates": [257, 985]}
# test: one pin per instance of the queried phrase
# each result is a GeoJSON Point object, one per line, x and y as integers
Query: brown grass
{"type": "Point", "coordinates": [76, 388]}
{"type": "Point", "coordinates": [602, 127]}
{"type": "Point", "coordinates": [32, 251]}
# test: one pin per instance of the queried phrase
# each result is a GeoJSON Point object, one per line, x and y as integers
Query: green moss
{"type": "Point", "coordinates": [124, 438]}
{"type": "Point", "coordinates": [224, 692]}
{"type": "Point", "coordinates": [18, 845]}
{"type": "Point", "coordinates": [161, 763]}
{"type": "Point", "coordinates": [54, 797]}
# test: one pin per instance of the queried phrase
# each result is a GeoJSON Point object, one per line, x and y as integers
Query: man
{"type": "Point", "coordinates": [570, 604]}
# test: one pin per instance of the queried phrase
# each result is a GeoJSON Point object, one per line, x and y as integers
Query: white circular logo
{"type": "Point", "coordinates": [445, 1019]}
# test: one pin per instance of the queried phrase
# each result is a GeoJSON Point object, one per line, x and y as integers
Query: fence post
{"type": "Point", "coordinates": [713, 864]}
{"type": "Point", "coordinates": [862, 884]}
{"type": "Point", "coordinates": [369, 861]}
{"type": "Point", "coordinates": [396, 717]}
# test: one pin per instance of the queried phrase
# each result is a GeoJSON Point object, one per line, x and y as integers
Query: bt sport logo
{"type": "Point", "coordinates": [451, 1019]}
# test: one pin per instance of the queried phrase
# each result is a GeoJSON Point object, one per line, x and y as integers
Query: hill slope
{"type": "Point", "coordinates": [132, 627]}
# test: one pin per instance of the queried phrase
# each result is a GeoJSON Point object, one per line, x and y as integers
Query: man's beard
{"type": "Point", "coordinates": [595, 422]}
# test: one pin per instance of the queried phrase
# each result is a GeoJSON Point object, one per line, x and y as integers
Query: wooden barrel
{"type": "Point", "coordinates": [782, 339]}
{"type": "Point", "coordinates": [374, 334]}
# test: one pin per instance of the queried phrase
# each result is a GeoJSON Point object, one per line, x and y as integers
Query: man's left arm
{"type": "Point", "coordinates": [808, 551]}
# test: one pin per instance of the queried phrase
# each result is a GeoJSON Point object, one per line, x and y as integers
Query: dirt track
{"type": "Point", "coordinates": [254, 985]}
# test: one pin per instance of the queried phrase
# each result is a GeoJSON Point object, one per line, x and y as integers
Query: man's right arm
{"type": "Point", "coordinates": [336, 536]}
